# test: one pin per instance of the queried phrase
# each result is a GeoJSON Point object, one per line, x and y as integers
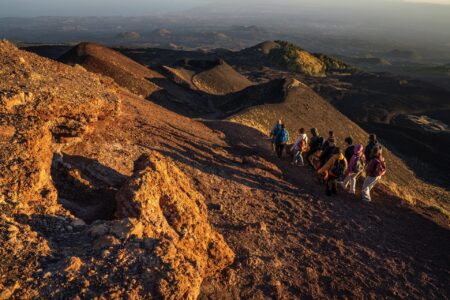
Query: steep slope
{"type": "Point", "coordinates": [147, 240]}
{"type": "Point", "coordinates": [124, 71]}
{"type": "Point", "coordinates": [299, 106]}
{"type": "Point", "coordinates": [220, 80]}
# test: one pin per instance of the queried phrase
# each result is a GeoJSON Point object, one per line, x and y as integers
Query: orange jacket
{"type": "Point", "coordinates": [330, 163]}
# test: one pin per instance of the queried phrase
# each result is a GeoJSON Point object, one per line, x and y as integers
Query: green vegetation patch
{"type": "Point", "coordinates": [295, 59]}
{"type": "Point", "coordinates": [332, 63]}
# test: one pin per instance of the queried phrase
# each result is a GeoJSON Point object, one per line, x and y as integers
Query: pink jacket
{"type": "Point", "coordinates": [358, 153]}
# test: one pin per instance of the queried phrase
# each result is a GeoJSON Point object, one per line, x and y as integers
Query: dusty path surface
{"type": "Point", "coordinates": [316, 246]}
{"type": "Point", "coordinates": [290, 240]}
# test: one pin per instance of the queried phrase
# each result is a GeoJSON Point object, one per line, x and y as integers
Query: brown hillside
{"type": "Point", "coordinates": [220, 80]}
{"type": "Point", "coordinates": [157, 241]}
{"type": "Point", "coordinates": [126, 72]}
{"type": "Point", "coordinates": [211, 77]}
{"type": "Point", "coordinates": [302, 107]}
{"type": "Point", "coordinates": [180, 76]}
{"type": "Point", "coordinates": [169, 202]}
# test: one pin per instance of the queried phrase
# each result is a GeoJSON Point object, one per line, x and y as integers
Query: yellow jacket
{"type": "Point", "coordinates": [330, 163]}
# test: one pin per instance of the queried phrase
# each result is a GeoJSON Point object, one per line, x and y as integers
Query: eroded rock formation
{"type": "Point", "coordinates": [45, 105]}
{"type": "Point", "coordinates": [161, 197]}
{"type": "Point", "coordinates": [160, 243]}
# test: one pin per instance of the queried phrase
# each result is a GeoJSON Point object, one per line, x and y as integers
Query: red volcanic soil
{"type": "Point", "coordinates": [286, 239]}
{"type": "Point", "coordinates": [103, 60]}
{"type": "Point", "coordinates": [290, 240]}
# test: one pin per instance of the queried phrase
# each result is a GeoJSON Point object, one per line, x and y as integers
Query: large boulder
{"type": "Point", "coordinates": [174, 214]}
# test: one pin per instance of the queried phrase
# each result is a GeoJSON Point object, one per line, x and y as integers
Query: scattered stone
{"type": "Point", "coordinates": [375, 218]}
{"type": "Point", "coordinates": [8, 292]}
{"type": "Point", "coordinates": [78, 223]}
{"type": "Point", "coordinates": [215, 206]}
{"type": "Point", "coordinates": [126, 228]}
{"type": "Point", "coordinates": [263, 226]}
{"type": "Point", "coordinates": [74, 265]}
{"type": "Point", "coordinates": [105, 241]}
{"type": "Point", "coordinates": [105, 253]}
{"type": "Point", "coordinates": [98, 230]}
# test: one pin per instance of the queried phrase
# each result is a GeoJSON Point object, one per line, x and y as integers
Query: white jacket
{"type": "Point", "coordinates": [297, 143]}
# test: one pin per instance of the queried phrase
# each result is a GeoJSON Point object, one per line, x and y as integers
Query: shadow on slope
{"type": "Point", "coordinates": [198, 156]}
{"type": "Point", "coordinates": [86, 187]}
{"type": "Point", "coordinates": [212, 77]}
{"type": "Point", "coordinates": [103, 60]}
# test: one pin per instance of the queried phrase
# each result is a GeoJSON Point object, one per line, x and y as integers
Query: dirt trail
{"type": "Point", "coordinates": [315, 246]}
{"type": "Point", "coordinates": [290, 241]}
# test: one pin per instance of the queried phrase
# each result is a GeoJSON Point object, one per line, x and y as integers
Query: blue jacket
{"type": "Point", "coordinates": [282, 137]}
{"type": "Point", "coordinates": [275, 131]}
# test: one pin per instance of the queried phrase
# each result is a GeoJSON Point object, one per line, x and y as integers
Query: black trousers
{"type": "Point", "coordinates": [279, 148]}
{"type": "Point", "coordinates": [331, 185]}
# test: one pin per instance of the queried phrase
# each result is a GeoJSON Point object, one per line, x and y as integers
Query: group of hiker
{"type": "Point", "coordinates": [333, 165]}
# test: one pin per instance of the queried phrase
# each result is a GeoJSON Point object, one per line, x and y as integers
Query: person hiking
{"type": "Point", "coordinates": [300, 146]}
{"type": "Point", "coordinates": [274, 132]}
{"type": "Point", "coordinates": [349, 151]}
{"type": "Point", "coordinates": [370, 146]}
{"type": "Point", "coordinates": [281, 140]}
{"type": "Point", "coordinates": [334, 169]}
{"type": "Point", "coordinates": [375, 170]}
{"type": "Point", "coordinates": [328, 149]}
{"type": "Point", "coordinates": [355, 168]}
{"type": "Point", "coordinates": [314, 159]}
{"type": "Point", "coordinates": [329, 140]}
{"type": "Point", "coordinates": [315, 144]}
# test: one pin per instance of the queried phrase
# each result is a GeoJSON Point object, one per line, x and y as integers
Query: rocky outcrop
{"type": "Point", "coordinates": [171, 212]}
{"type": "Point", "coordinates": [160, 240]}
{"type": "Point", "coordinates": [43, 106]}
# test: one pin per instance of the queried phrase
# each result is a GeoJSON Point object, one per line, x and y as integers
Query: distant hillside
{"type": "Point", "coordinates": [129, 36]}
{"type": "Point", "coordinates": [126, 72]}
{"type": "Point", "coordinates": [367, 61]}
{"type": "Point", "coordinates": [290, 57]}
{"type": "Point", "coordinates": [332, 63]}
{"type": "Point", "coordinates": [398, 54]}
{"type": "Point", "coordinates": [296, 59]}
{"type": "Point", "coordinates": [443, 70]}
{"type": "Point", "coordinates": [211, 77]}
{"type": "Point", "coordinates": [221, 79]}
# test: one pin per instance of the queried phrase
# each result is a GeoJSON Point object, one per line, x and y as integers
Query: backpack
{"type": "Point", "coordinates": [316, 142]}
{"type": "Point", "coordinates": [303, 146]}
{"type": "Point", "coordinates": [359, 165]}
{"type": "Point", "coordinates": [283, 136]}
{"type": "Point", "coordinates": [338, 169]}
{"type": "Point", "coordinates": [380, 168]}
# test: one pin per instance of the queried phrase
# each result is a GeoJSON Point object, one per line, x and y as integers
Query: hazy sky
{"type": "Point", "coordinates": [146, 7]}
{"type": "Point", "coordinates": [431, 1]}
